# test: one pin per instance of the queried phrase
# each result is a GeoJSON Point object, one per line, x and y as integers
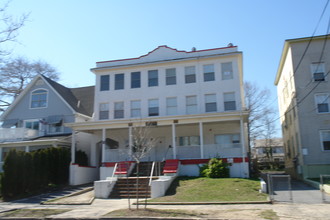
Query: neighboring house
{"type": "Point", "coordinates": [194, 100]}
{"type": "Point", "coordinates": [303, 90]}
{"type": "Point", "coordinates": [268, 151]}
{"type": "Point", "coordinates": [36, 118]}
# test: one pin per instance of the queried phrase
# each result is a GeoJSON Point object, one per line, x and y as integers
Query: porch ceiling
{"type": "Point", "coordinates": [39, 142]}
{"type": "Point", "coordinates": [91, 126]}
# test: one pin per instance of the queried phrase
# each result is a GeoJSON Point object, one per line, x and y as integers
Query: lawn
{"type": "Point", "coordinates": [192, 189]}
{"type": "Point", "coordinates": [33, 213]}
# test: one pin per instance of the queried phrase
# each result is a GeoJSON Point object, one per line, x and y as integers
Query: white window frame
{"type": "Point", "coordinates": [119, 82]}
{"type": "Point", "coordinates": [118, 108]}
{"type": "Point", "coordinates": [171, 108]}
{"type": "Point", "coordinates": [53, 126]}
{"type": "Point", "coordinates": [194, 105]}
{"type": "Point", "coordinates": [321, 140]}
{"type": "Point", "coordinates": [32, 121]}
{"type": "Point", "coordinates": [153, 78]}
{"type": "Point", "coordinates": [190, 73]}
{"type": "Point", "coordinates": [31, 98]}
{"type": "Point", "coordinates": [224, 101]}
{"type": "Point", "coordinates": [135, 108]}
{"type": "Point", "coordinates": [153, 103]}
{"type": "Point", "coordinates": [207, 72]}
{"type": "Point", "coordinates": [169, 77]}
{"type": "Point", "coordinates": [100, 110]}
{"type": "Point", "coordinates": [211, 99]}
{"type": "Point", "coordinates": [317, 103]}
{"type": "Point", "coordinates": [318, 66]}
{"type": "Point", "coordinates": [189, 139]}
{"type": "Point", "coordinates": [227, 75]}
{"type": "Point", "coordinates": [108, 83]}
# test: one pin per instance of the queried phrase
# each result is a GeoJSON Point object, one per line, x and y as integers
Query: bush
{"type": "Point", "coordinates": [216, 168]}
{"type": "Point", "coordinates": [81, 158]}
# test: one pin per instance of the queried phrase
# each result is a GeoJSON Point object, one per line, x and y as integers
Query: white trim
{"type": "Point", "coordinates": [173, 140]}
{"type": "Point", "coordinates": [312, 73]}
{"type": "Point", "coordinates": [321, 140]}
{"type": "Point", "coordinates": [316, 103]}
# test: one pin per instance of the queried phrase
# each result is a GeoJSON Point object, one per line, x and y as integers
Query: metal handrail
{"type": "Point", "coordinates": [152, 172]}
{"type": "Point", "coordinates": [113, 173]}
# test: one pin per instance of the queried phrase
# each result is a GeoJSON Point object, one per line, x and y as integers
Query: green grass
{"type": "Point", "coordinates": [154, 213]}
{"type": "Point", "coordinates": [190, 189]}
{"type": "Point", "coordinates": [33, 213]}
{"type": "Point", "coordinates": [269, 214]}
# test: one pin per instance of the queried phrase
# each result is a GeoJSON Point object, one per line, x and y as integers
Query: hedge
{"type": "Point", "coordinates": [24, 172]}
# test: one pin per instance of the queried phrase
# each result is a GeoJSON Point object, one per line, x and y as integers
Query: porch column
{"type": "Point", "coordinates": [130, 141]}
{"type": "Point", "coordinates": [173, 141]}
{"type": "Point", "coordinates": [103, 144]}
{"type": "Point", "coordinates": [242, 139]}
{"type": "Point", "coordinates": [27, 149]}
{"type": "Point", "coordinates": [73, 147]}
{"type": "Point", "coordinates": [201, 139]}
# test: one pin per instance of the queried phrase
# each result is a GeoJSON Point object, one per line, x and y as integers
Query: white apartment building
{"type": "Point", "coordinates": [303, 95]}
{"type": "Point", "coordinates": [194, 101]}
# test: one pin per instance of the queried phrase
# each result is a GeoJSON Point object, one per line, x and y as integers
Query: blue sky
{"type": "Point", "coordinates": [73, 35]}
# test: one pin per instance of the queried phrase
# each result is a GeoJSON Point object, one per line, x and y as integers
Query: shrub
{"type": "Point", "coordinates": [81, 158]}
{"type": "Point", "coordinates": [216, 168]}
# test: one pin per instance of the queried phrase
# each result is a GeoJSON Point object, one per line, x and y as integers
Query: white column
{"type": "Point", "coordinates": [130, 141]}
{"type": "Point", "coordinates": [173, 141]}
{"type": "Point", "coordinates": [73, 147]}
{"type": "Point", "coordinates": [103, 144]}
{"type": "Point", "coordinates": [27, 149]}
{"type": "Point", "coordinates": [201, 139]}
{"type": "Point", "coordinates": [242, 140]}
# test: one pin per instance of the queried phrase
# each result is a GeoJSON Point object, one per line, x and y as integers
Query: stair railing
{"type": "Point", "coordinates": [152, 172]}
{"type": "Point", "coordinates": [113, 173]}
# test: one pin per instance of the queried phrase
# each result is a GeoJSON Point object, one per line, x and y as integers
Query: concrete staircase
{"type": "Point", "coordinates": [133, 186]}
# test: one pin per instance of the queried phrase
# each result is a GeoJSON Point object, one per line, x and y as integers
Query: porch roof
{"type": "Point", "coordinates": [62, 140]}
{"type": "Point", "coordinates": [90, 126]}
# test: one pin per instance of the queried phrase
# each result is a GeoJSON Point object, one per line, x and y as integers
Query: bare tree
{"type": "Point", "coordinates": [261, 113]}
{"type": "Point", "coordinates": [9, 28]}
{"type": "Point", "coordinates": [142, 143]}
{"type": "Point", "coordinates": [17, 73]}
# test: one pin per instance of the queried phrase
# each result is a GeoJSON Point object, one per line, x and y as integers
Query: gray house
{"type": "Point", "coordinates": [36, 119]}
{"type": "Point", "coordinates": [303, 89]}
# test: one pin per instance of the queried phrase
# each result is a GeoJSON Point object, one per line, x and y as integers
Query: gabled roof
{"type": "Point", "coordinates": [165, 53]}
{"type": "Point", "coordinates": [80, 100]}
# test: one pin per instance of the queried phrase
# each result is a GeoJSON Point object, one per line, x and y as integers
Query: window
{"type": "Point", "coordinates": [170, 76]}
{"type": "Point", "coordinates": [322, 102]}
{"type": "Point", "coordinates": [189, 141]}
{"type": "Point", "coordinates": [105, 83]}
{"type": "Point", "coordinates": [153, 107]}
{"type": "Point", "coordinates": [229, 101]}
{"type": "Point", "coordinates": [191, 104]}
{"type": "Point", "coordinates": [119, 110]}
{"type": "Point", "coordinates": [39, 98]}
{"type": "Point", "coordinates": [119, 81]}
{"type": "Point", "coordinates": [318, 71]}
{"type": "Point", "coordinates": [210, 103]}
{"type": "Point", "coordinates": [325, 140]}
{"type": "Point", "coordinates": [152, 78]}
{"type": "Point", "coordinates": [32, 124]}
{"type": "Point", "coordinates": [171, 106]}
{"type": "Point", "coordinates": [55, 128]}
{"type": "Point", "coordinates": [135, 108]}
{"type": "Point", "coordinates": [208, 71]}
{"type": "Point", "coordinates": [190, 74]}
{"type": "Point", "coordinates": [55, 123]}
{"type": "Point", "coordinates": [104, 111]}
{"type": "Point", "coordinates": [227, 140]}
{"type": "Point", "coordinates": [135, 80]}
{"type": "Point", "coordinates": [227, 70]}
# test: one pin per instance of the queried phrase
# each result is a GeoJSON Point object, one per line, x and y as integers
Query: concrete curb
{"type": "Point", "coordinates": [206, 203]}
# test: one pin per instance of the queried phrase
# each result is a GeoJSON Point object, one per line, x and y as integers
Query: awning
{"type": "Point", "coordinates": [10, 123]}
{"type": "Point", "coordinates": [55, 119]}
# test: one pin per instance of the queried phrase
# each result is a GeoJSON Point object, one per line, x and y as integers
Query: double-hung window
{"type": "Point", "coordinates": [135, 108]}
{"type": "Point", "coordinates": [227, 70]}
{"type": "Point", "coordinates": [105, 83]}
{"type": "Point", "coordinates": [208, 71]}
{"type": "Point", "coordinates": [227, 140]}
{"type": "Point", "coordinates": [190, 74]}
{"type": "Point", "coordinates": [39, 98]}
{"type": "Point", "coordinates": [119, 81]}
{"type": "Point", "coordinates": [135, 80]}
{"type": "Point", "coordinates": [170, 76]}
{"type": "Point", "coordinates": [104, 111]}
{"type": "Point", "coordinates": [318, 71]}
{"type": "Point", "coordinates": [191, 104]}
{"type": "Point", "coordinates": [119, 110]}
{"type": "Point", "coordinates": [153, 107]}
{"type": "Point", "coordinates": [229, 101]}
{"type": "Point", "coordinates": [171, 106]}
{"type": "Point", "coordinates": [152, 78]}
{"type": "Point", "coordinates": [210, 103]}
{"type": "Point", "coordinates": [322, 102]}
{"type": "Point", "coordinates": [325, 140]}
{"type": "Point", "coordinates": [189, 141]}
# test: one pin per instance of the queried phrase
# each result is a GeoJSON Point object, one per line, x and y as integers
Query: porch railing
{"type": "Point", "coordinates": [10, 134]}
